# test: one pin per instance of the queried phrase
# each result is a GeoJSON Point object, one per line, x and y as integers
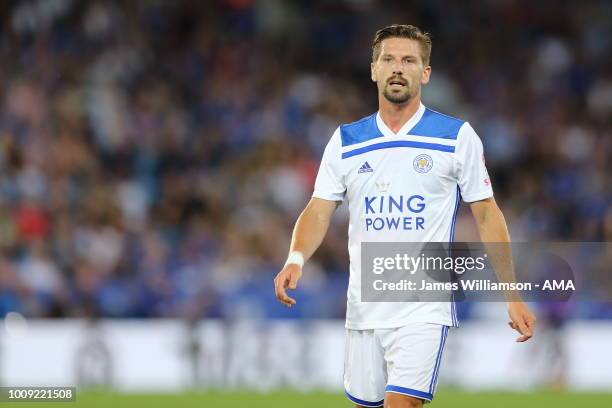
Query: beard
{"type": "Point", "coordinates": [397, 97]}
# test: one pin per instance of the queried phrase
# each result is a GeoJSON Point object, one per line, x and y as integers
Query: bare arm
{"type": "Point", "coordinates": [490, 221]}
{"type": "Point", "coordinates": [311, 226]}
{"type": "Point", "coordinates": [493, 229]}
{"type": "Point", "coordinates": [308, 233]}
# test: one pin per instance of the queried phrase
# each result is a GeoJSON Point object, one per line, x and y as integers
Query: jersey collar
{"type": "Point", "coordinates": [405, 128]}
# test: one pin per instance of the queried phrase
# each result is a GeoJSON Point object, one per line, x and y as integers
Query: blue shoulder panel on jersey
{"type": "Point", "coordinates": [436, 124]}
{"type": "Point", "coordinates": [360, 131]}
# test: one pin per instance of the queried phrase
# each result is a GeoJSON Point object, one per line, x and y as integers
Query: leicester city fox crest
{"type": "Point", "coordinates": [423, 163]}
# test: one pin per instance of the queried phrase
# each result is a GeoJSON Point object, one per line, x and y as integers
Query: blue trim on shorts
{"type": "Point", "coordinates": [434, 377]}
{"type": "Point", "coordinates": [364, 403]}
{"type": "Point", "coordinates": [409, 391]}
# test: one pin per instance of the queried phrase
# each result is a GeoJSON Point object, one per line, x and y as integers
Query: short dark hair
{"type": "Point", "coordinates": [403, 31]}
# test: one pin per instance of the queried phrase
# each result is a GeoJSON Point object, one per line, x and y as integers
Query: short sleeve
{"type": "Point", "coordinates": [471, 172]}
{"type": "Point", "coordinates": [329, 184]}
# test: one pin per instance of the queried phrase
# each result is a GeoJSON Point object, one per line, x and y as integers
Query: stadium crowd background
{"type": "Point", "coordinates": [154, 155]}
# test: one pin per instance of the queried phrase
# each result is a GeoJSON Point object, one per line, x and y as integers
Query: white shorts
{"type": "Point", "coordinates": [404, 360]}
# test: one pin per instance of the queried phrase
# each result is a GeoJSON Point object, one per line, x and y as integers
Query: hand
{"type": "Point", "coordinates": [521, 320]}
{"type": "Point", "coordinates": [287, 279]}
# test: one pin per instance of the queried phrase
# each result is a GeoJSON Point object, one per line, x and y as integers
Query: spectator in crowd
{"type": "Point", "coordinates": [153, 154]}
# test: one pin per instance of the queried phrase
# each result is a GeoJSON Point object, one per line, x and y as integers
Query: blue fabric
{"type": "Point", "coordinates": [364, 403]}
{"type": "Point", "coordinates": [432, 124]}
{"type": "Point", "coordinates": [450, 245]}
{"type": "Point", "coordinates": [409, 391]}
{"type": "Point", "coordinates": [360, 131]}
{"type": "Point", "coordinates": [437, 125]}
{"type": "Point", "coordinates": [434, 377]}
{"type": "Point", "coordinates": [399, 143]}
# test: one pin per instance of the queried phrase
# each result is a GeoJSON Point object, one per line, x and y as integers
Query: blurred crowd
{"type": "Point", "coordinates": [154, 155]}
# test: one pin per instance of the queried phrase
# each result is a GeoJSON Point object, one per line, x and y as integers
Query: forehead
{"type": "Point", "coordinates": [400, 47]}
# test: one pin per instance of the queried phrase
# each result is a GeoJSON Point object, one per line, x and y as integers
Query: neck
{"type": "Point", "coordinates": [396, 115]}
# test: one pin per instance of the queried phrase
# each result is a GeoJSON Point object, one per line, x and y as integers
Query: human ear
{"type": "Point", "coordinates": [426, 74]}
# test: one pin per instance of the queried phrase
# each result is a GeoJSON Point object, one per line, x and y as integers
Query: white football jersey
{"type": "Point", "coordinates": [401, 187]}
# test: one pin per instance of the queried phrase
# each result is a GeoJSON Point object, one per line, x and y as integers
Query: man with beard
{"type": "Point", "coordinates": [403, 170]}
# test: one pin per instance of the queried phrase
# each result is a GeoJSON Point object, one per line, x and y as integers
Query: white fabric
{"type": "Point", "coordinates": [295, 257]}
{"type": "Point", "coordinates": [407, 359]}
{"type": "Point", "coordinates": [428, 214]}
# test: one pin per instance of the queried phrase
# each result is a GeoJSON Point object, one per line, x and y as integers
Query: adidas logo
{"type": "Point", "coordinates": [365, 168]}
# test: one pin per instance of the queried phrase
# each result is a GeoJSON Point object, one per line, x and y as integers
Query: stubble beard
{"type": "Point", "coordinates": [398, 98]}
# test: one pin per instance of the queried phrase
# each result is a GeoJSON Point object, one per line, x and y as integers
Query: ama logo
{"type": "Point", "coordinates": [365, 168]}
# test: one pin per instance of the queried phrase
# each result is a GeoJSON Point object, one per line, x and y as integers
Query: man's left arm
{"type": "Point", "coordinates": [493, 229]}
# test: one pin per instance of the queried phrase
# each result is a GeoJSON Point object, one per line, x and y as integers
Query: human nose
{"type": "Point", "coordinates": [397, 67]}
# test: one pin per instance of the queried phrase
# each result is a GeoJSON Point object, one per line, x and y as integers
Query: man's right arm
{"type": "Point", "coordinates": [308, 233]}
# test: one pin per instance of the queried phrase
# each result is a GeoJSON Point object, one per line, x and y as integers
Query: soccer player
{"type": "Point", "coordinates": [426, 162]}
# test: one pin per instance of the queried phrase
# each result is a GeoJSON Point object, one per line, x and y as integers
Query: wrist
{"type": "Point", "coordinates": [513, 297]}
{"type": "Point", "coordinates": [295, 258]}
